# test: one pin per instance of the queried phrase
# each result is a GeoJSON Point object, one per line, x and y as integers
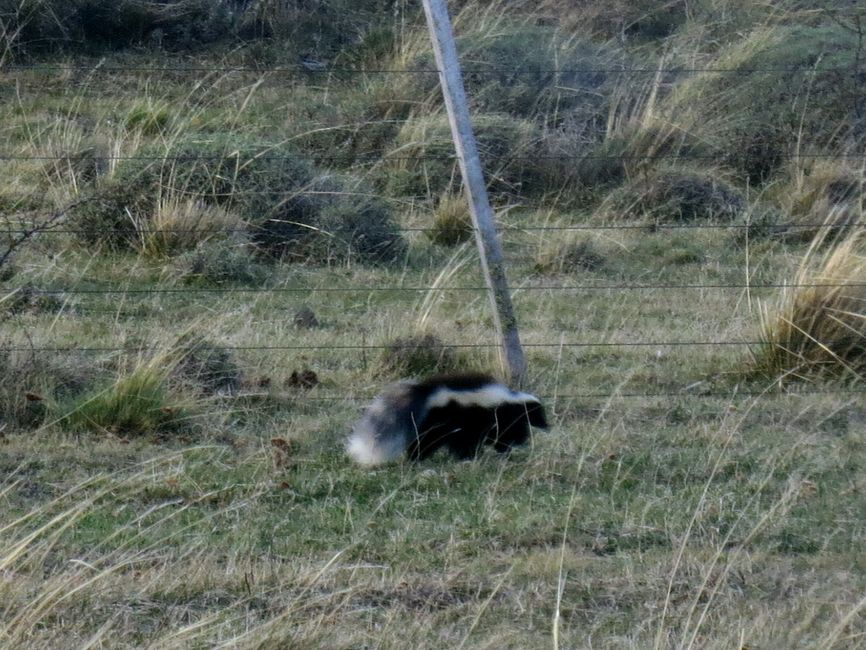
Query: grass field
{"type": "Point", "coordinates": [679, 195]}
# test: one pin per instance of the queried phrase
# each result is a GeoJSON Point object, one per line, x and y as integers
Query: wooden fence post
{"type": "Point", "coordinates": [442, 37]}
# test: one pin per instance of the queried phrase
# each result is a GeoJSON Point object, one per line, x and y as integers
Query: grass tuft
{"type": "Point", "coordinates": [452, 223]}
{"type": "Point", "coordinates": [139, 401]}
{"type": "Point", "coordinates": [416, 356]}
{"type": "Point", "coordinates": [819, 330]}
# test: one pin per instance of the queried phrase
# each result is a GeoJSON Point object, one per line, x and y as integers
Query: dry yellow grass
{"type": "Point", "coordinates": [819, 329]}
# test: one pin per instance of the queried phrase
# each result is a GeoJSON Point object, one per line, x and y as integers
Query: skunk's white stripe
{"type": "Point", "coordinates": [488, 396]}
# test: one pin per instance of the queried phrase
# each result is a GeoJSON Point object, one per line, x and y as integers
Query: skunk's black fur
{"type": "Point", "coordinates": [460, 412]}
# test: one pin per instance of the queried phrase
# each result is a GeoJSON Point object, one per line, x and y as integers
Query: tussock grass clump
{"type": "Point", "coordinates": [222, 262]}
{"type": "Point", "coordinates": [416, 356]}
{"type": "Point", "coordinates": [210, 369]}
{"type": "Point", "coordinates": [525, 70]}
{"type": "Point", "coordinates": [452, 223]}
{"type": "Point", "coordinates": [822, 198]}
{"type": "Point", "coordinates": [238, 174]}
{"type": "Point", "coordinates": [681, 197]}
{"type": "Point", "coordinates": [335, 218]}
{"type": "Point", "coordinates": [140, 400]}
{"type": "Point", "coordinates": [580, 254]}
{"type": "Point", "coordinates": [642, 21]}
{"type": "Point", "coordinates": [77, 167]}
{"type": "Point", "coordinates": [32, 383]}
{"type": "Point", "coordinates": [168, 199]}
{"type": "Point", "coordinates": [586, 166]}
{"type": "Point", "coordinates": [27, 299]}
{"type": "Point", "coordinates": [819, 330]}
{"type": "Point", "coordinates": [149, 118]}
{"type": "Point", "coordinates": [177, 225]}
{"type": "Point", "coordinates": [423, 163]}
{"type": "Point", "coordinates": [812, 98]}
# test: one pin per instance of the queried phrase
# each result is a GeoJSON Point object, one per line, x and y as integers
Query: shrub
{"type": "Point", "coordinates": [238, 174]}
{"type": "Point", "coordinates": [210, 369]}
{"type": "Point", "coordinates": [362, 225]}
{"type": "Point", "coordinates": [70, 25]}
{"type": "Point", "coordinates": [818, 329]}
{"type": "Point", "coordinates": [811, 97]}
{"type": "Point", "coordinates": [27, 299]}
{"type": "Point", "coordinates": [641, 20]}
{"type": "Point", "coordinates": [302, 26]}
{"type": "Point", "coordinates": [323, 27]}
{"type": "Point", "coordinates": [524, 70]}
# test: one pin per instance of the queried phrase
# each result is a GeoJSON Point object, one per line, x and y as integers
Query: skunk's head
{"type": "Point", "coordinates": [535, 413]}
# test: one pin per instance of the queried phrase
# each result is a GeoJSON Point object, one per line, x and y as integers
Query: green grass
{"type": "Point", "coordinates": [157, 493]}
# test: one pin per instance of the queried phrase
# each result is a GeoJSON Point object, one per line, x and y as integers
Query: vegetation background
{"type": "Point", "coordinates": [226, 224]}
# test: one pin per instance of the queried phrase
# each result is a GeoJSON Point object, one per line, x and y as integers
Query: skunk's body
{"type": "Point", "coordinates": [460, 412]}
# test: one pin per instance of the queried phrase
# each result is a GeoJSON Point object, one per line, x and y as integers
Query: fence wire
{"type": "Point", "coordinates": [317, 70]}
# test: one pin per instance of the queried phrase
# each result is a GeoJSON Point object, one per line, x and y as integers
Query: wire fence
{"type": "Point", "coordinates": [17, 222]}
{"type": "Point", "coordinates": [326, 69]}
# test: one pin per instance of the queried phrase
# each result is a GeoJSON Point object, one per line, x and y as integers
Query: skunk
{"type": "Point", "coordinates": [461, 412]}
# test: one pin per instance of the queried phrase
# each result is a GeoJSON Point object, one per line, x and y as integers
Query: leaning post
{"type": "Point", "coordinates": [445, 51]}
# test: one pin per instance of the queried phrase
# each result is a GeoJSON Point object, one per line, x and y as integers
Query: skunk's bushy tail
{"type": "Point", "coordinates": [384, 431]}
